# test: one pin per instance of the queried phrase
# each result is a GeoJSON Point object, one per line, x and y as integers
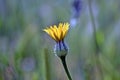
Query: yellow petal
{"type": "Point", "coordinates": [50, 33]}
{"type": "Point", "coordinates": [65, 29]}
{"type": "Point", "coordinates": [57, 32]}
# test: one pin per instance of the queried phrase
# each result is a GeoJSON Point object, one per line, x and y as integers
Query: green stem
{"type": "Point", "coordinates": [97, 48]}
{"type": "Point", "coordinates": [46, 65]}
{"type": "Point", "coordinates": [94, 27]}
{"type": "Point", "coordinates": [65, 66]}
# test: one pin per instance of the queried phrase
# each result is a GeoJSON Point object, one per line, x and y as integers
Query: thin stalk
{"type": "Point", "coordinates": [46, 65]}
{"type": "Point", "coordinates": [97, 48]}
{"type": "Point", "coordinates": [65, 66]}
{"type": "Point", "coordinates": [93, 26]}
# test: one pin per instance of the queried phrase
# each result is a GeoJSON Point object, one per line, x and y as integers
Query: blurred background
{"type": "Point", "coordinates": [26, 52]}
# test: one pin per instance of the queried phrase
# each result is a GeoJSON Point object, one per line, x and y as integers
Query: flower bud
{"type": "Point", "coordinates": [60, 49]}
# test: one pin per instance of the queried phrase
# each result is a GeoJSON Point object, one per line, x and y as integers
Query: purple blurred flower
{"type": "Point", "coordinates": [76, 9]}
{"type": "Point", "coordinates": [28, 64]}
{"type": "Point", "coordinates": [77, 5]}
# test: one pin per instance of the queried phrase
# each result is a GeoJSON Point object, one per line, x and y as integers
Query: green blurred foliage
{"type": "Point", "coordinates": [26, 52]}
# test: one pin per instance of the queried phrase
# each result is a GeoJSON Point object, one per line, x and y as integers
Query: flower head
{"type": "Point", "coordinates": [58, 32]}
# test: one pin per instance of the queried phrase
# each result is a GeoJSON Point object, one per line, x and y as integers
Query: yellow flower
{"type": "Point", "coordinates": [57, 32]}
